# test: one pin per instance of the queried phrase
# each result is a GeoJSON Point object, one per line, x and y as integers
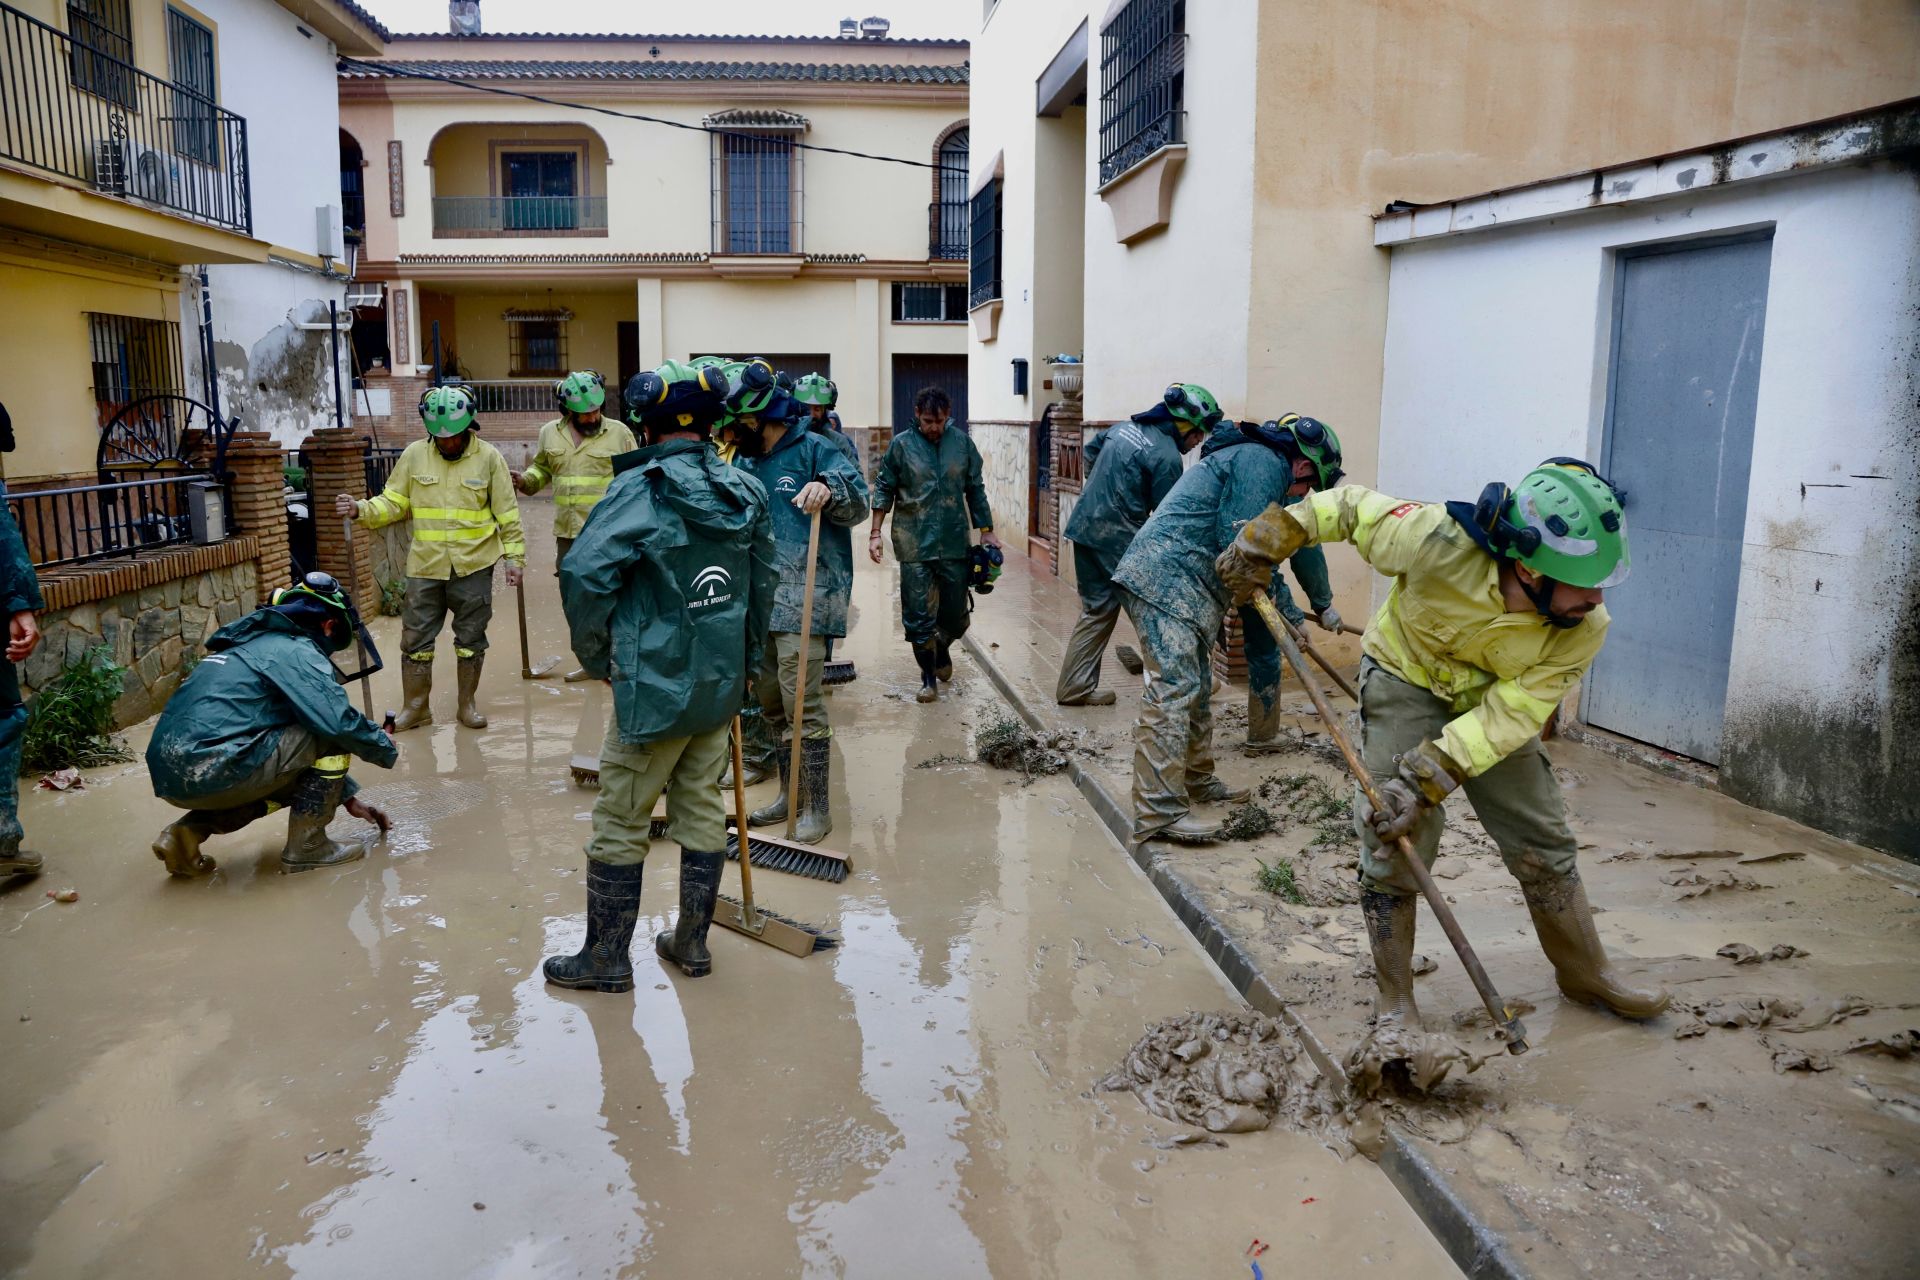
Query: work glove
{"type": "Point", "coordinates": [1246, 567]}
{"type": "Point", "coordinates": [1426, 777]}
{"type": "Point", "coordinates": [1330, 619]}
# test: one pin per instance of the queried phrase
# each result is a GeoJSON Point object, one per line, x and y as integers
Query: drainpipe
{"type": "Point", "coordinates": [210, 377]}
{"type": "Point", "coordinates": [333, 331]}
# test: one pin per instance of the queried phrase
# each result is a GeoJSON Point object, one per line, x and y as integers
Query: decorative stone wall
{"type": "Point", "coordinates": [1004, 449]}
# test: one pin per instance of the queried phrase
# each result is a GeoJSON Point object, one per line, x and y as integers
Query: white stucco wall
{"type": "Point", "coordinates": [1497, 354]}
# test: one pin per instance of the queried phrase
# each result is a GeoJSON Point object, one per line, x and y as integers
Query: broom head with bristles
{"type": "Point", "coordinates": [777, 854]}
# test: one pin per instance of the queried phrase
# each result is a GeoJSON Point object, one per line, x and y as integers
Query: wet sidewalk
{"type": "Point", "coordinates": [1768, 1124]}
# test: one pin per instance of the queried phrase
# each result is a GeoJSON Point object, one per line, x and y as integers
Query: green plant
{"type": "Point", "coordinates": [393, 595]}
{"type": "Point", "coordinates": [70, 722]}
{"type": "Point", "coordinates": [1248, 821]}
{"type": "Point", "coordinates": [1276, 877]}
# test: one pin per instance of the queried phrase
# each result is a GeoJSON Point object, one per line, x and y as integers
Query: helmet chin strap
{"type": "Point", "coordinates": [1541, 594]}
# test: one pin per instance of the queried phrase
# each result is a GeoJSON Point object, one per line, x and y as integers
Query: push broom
{"type": "Point", "coordinates": [776, 853]}
{"type": "Point", "coordinates": [1505, 1020]}
{"type": "Point", "coordinates": [740, 914]}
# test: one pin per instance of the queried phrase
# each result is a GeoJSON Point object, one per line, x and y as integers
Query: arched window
{"type": "Point", "coordinates": [948, 230]}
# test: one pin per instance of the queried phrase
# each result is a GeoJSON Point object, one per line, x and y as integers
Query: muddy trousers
{"type": "Point", "coordinates": [1099, 611]}
{"type": "Point", "coordinates": [13, 730]}
{"type": "Point", "coordinates": [560, 548]}
{"type": "Point", "coordinates": [270, 786]}
{"type": "Point", "coordinates": [773, 688]}
{"type": "Point", "coordinates": [1518, 801]}
{"type": "Point", "coordinates": [632, 778]}
{"type": "Point", "coordinates": [933, 600]}
{"type": "Point", "coordinates": [429, 600]}
{"type": "Point", "coordinates": [1173, 738]}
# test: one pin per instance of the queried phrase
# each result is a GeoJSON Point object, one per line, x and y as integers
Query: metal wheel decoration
{"type": "Point", "coordinates": [161, 433]}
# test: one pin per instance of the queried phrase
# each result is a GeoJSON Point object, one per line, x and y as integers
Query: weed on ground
{"type": "Point", "coordinates": [1277, 878]}
{"type": "Point", "coordinates": [70, 722]}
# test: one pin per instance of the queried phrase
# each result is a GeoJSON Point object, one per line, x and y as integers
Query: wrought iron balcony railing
{"type": "Point", "coordinates": [456, 216]}
{"type": "Point", "coordinates": [73, 106]}
{"type": "Point", "coordinates": [948, 230]}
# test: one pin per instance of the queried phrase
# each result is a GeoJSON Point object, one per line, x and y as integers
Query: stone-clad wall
{"type": "Point", "coordinates": [1004, 456]}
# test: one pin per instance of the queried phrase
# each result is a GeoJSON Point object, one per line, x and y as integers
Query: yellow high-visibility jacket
{"type": "Point", "coordinates": [1445, 625]}
{"type": "Point", "coordinates": [580, 472]}
{"type": "Point", "coordinates": [465, 517]}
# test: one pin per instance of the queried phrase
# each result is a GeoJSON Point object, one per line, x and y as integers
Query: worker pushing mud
{"type": "Point", "coordinates": [667, 590]}
{"type": "Point", "coordinates": [931, 479]}
{"type": "Point", "coordinates": [20, 599]}
{"type": "Point", "coordinates": [1177, 604]}
{"type": "Point", "coordinates": [1130, 468]}
{"type": "Point", "coordinates": [1495, 613]}
{"type": "Point", "coordinates": [803, 472]}
{"type": "Point", "coordinates": [264, 723]}
{"type": "Point", "coordinates": [458, 492]}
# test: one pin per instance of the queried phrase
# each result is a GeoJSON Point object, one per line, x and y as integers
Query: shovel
{"type": "Point", "coordinates": [366, 681]}
{"type": "Point", "coordinates": [1300, 638]}
{"type": "Point", "coordinates": [1506, 1022]}
{"type": "Point", "coordinates": [527, 670]}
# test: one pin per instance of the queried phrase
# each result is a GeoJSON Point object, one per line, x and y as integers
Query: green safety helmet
{"type": "Point", "coordinates": [1313, 440]}
{"type": "Point", "coordinates": [447, 410]}
{"type": "Point", "coordinates": [753, 388]}
{"type": "Point", "coordinates": [702, 362]}
{"type": "Point", "coordinates": [581, 391]}
{"type": "Point", "coordinates": [315, 598]}
{"type": "Point", "coordinates": [813, 389]}
{"type": "Point", "coordinates": [1192, 404]}
{"type": "Point", "coordinates": [1564, 521]}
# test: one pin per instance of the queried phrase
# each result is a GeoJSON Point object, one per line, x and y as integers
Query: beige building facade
{"type": "Point", "coordinates": [1186, 191]}
{"type": "Point", "coordinates": [694, 197]}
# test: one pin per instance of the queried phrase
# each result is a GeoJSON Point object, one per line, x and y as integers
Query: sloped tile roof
{"type": "Point", "coordinates": [844, 73]}
{"type": "Point", "coordinates": [372, 22]}
{"type": "Point", "coordinates": [897, 41]}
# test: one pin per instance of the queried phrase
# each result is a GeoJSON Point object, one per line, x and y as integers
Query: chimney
{"type": "Point", "coordinates": [849, 28]}
{"type": "Point", "coordinates": [463, 17]}
{"type": "Point", "coordinates": [874, 28]}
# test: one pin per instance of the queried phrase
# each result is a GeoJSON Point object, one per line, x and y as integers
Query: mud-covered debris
{"type": "Point", "coordinates": [1695, 884]}
{"type": "Point", "coordinates": [1228, 1073]}
{"type": "Point", "coordinates": [1007, 743]}
{"type": "Point", "coordinates": [1732, 1012]}
{"type": "Point", "coordinates": [1899, 1044]}
{"type": "Point", "coordinates": [1424, 964]}
{"type": "Point", "coordinates": [1476, 1017]}
{"type": "Point", "coordinates": [1830, 1014]}
{"type": "Point", "coordinates": [1689, 855]}
{"type": "Point", "coordinates": [1129, 659]}
{"type": "Point", "coordinates": [1788, 1058]}
{"type": "Point", "coordinates": [1742, 953]}
{"type": "Point", "coordinates": [1791, 855]}
{"type": "Point", "coordinates": [1393, 1058]}
{"type": "Point", "coordinates": [934, 762]}
{"type": "Point", "coordinates": [1175, 1141]}
{"type": "Point", "coordinates": [1247, 822]}
{"type": "Point", "coordinates": [61, 780]}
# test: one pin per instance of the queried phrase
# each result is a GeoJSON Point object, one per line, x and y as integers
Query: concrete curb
{"type": "Point", "coordinates": [1476, 1247]}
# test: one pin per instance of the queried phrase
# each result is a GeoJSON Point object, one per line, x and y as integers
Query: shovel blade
{"type": "Point", "coordinates": [542, 671]}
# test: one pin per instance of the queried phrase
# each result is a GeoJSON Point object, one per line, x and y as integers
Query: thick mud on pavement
{"type": "Point", "coordinates": [1765, 1125]}
{"type": "Point", "coordinates": [360, 1073]}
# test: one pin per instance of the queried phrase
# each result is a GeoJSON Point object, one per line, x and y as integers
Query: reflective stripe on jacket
{"type": "Point", "coordinates": [464, 514]}
{"type": "Point", "coordinates": [579, 473]}
{"type": "Point", "coordinates": [1445, 624]}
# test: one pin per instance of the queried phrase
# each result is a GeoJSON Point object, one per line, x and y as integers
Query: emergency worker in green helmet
{"type": "Point", "coordinates": [818, 393]}
{"type": "Point", "coordinates": [458, 492]}
{"type": "Point", "coordinates": [1495, 614]}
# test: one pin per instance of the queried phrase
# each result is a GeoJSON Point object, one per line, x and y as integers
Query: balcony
{"type": "Point", "coordinates": [948, 231]}
{"type": "Point", "coordinates": [455, 217]}
{"type": "Point", "coordinates": [78, 110]}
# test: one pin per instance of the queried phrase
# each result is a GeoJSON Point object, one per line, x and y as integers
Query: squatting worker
{"type": "Point", "coordinates": [20, 599]}
{"type": "Point", "coordinates": [1495, 613]}
{"type": "Point", "coordinates": [262, 724]}
{"type": "Point", "coordinates": [1313, 450]}
{"type": "Point", "coordinates": [1177, 604]}
{"type": "Point", "coordinates": [1130, 468]}
{"type": "Point", "coordinates": [931, 480]}
{"type": "Point", "coordinates": [457, 490]}
{"type": "Point", "coordinates": [575, 452]}
{"type": "Point", "coordinates": [803, 473]}
{"type": "Point", "coordinates": [667, 592]}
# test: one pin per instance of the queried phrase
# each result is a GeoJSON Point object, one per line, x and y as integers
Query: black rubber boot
{"type": "Point", "coordinates": [316, 798]}
{"type": "Point", "coordinates": [686, 946]}
{"type": "Point", "coordinates": [816, 816]}
{"type": "Point", "coordinates": [613, 907]}
{"type": "Point", "coordinates": [943, 659]}
{"type": "Point", "coordinates": [769, 814]}
{"type": "Point", "coordinates": [929, 687]}
{"type": "Point", "coordinates": [179, 845]}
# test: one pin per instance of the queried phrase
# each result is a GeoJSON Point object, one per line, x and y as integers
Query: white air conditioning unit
{"type": "Point", "coordinates": [156, 176]}
{"type": "Point", "coordinates": [328, 234]}
{"type": "Point", "coordinates": [111, 161]}
{"type": "Point", "coordinates": [366, 295]}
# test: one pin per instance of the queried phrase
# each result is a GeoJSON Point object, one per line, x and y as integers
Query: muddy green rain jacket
{"type": "Point", "coordinates": [1134, 466]}
{"type": "Point", "coordinates": [19, 587]}
{"type": "Point", "coordinates": [669, 587]}
{"type": "Point", "coordinates": [1170, 564]}
{"type": "Point", "coordinates": [580, 473]}
{"type": "Point", "coordinates": [802, 456]}
{"type": "Point", "coordinates": [839, 439]}
{"type": "Point", "coordinates": [936, 493]}
{"type": "Point", "coordinates": [1445, 625]}
{"type": "Point", "coordinates": [465, 517]}
{"type": "Point", "coordinates": [262, 674]}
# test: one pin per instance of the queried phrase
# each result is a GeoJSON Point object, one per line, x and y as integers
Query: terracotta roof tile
{"type": "Point", "coordinates": [845, 73]}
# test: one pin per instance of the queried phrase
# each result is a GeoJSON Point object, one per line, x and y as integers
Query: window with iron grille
{"type": "Point", "coordinates": [102, 57]}
{"type": "Point", "coordinates": [756, 193]}
{"type": "Point", "coordinates": [537, 345]}
{"type": "Point", "coordinates": [984, 278]}
{"type": "Point", "coordinates": [1143, 55]}
{"type": "Point", "coordinates": [950, 214]}
{"type": "Point", "coordinates": [132, 358]}
{"type": "Point", "coordinates": [917, 302]}
{"type": "Point", "coordinates": [190, 67]}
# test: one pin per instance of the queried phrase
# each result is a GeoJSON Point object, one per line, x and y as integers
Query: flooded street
{"type": "Point", "coordinates": [361, 1073]}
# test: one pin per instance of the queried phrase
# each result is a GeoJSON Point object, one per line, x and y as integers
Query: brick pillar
{"type": "Point", "coordinates": [338, 464]}
{"type": "Point", "coordinates": [259, 507]}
